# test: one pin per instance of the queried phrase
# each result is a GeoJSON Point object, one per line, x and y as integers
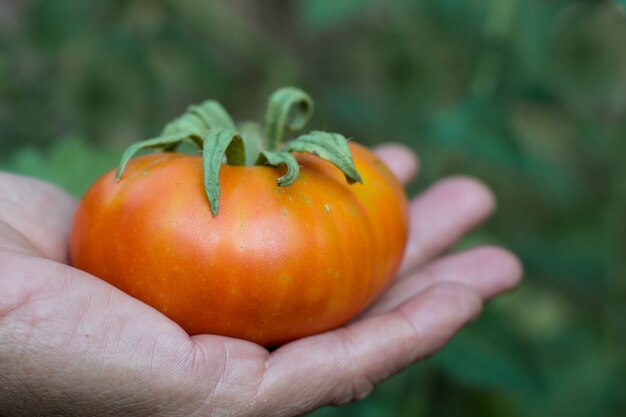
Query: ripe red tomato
{"type": "Point", "coordinates": [276, 264]}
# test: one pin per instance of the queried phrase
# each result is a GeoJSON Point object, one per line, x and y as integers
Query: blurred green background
{"type": "Point", "coordinates": [529, 96]}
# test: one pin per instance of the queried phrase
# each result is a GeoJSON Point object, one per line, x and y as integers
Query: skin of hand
{"type": "Point", "coordinates": [71, 344]}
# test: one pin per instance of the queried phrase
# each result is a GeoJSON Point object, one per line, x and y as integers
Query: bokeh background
{"type": "Point", "coordinates": [528, 95]}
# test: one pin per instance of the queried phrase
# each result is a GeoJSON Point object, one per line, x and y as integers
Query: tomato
{"type": "Point", "coordinates": [276, 264]}
{"type": "Point", "coordinates": [384, 201]}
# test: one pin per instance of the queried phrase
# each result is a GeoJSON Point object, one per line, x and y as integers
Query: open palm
{"type": "Point", "coordinates": [71, 344]}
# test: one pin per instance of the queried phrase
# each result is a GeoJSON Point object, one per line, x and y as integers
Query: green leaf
{"type": "Point", "coordinates": [217, 144]}
{"type": "Point", "coordinates": [332, 147]}
{"type": "Point", "coordinates": [283, 158]}
{"type": "Point", "coordinates": [288, 109]}
{"type": "Point", "coordinates": [477, 361]}
{"type": "Point", "coordinates": [163, 142]}
{"type": "Point", "coordinates": [71, 162]}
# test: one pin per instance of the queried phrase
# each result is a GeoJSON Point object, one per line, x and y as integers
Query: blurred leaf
{"type": "Point", "coordinates": [71, 164]}
{"type": "Point", "coordinates": [475, 360]}
{"type": "Point", "coordinates": [478, 129]}
{"type": "Point", "coordinates": [588, 58]}
{"type": "Point", "coordinates": [323, 15]}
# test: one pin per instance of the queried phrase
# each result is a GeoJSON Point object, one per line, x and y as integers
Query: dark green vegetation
{"type": "Point", "coordinates": [528, 95]}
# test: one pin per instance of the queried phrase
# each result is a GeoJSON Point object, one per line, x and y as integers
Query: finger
{"type": "Point", "coordinates": [400, 159]}
{"type": "Point", "coordinates": [40, 212]}
{"type": "Point", "coordinates": [486, 270]}
{"type": "Point", "coordinates": [13, 241]}
{"type": "Point", "coordinates": [441, 215]}
{"type": "Point", "coordinates": [345, 365]}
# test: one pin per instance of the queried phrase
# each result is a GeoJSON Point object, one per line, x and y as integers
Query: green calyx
{"type": "Point", "coordinates": [209, 127]}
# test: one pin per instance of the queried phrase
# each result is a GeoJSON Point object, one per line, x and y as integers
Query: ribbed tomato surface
{"type": "Point", "coordinates": [276, 263]}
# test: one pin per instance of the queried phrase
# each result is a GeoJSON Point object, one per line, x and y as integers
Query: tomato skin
{"type": "Point", "coordinates": [384, 200]}
{"type": "Point", "coordinates": [276, 264]}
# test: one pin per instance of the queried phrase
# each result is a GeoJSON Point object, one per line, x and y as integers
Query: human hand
{"type": "Point", "coordinates": [71, 344]}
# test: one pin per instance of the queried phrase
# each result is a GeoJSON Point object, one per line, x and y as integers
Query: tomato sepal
{"type": "Point", "coordinates": [220, 144]}
{"type": "Point", "coordinates": [282, 158]}
{"type": "Point", "coordinates": [210, 127]}
{"type": "Point", "coordinates": [163, 143]}
{"type": "Point", "coordinates": [331, 147]}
